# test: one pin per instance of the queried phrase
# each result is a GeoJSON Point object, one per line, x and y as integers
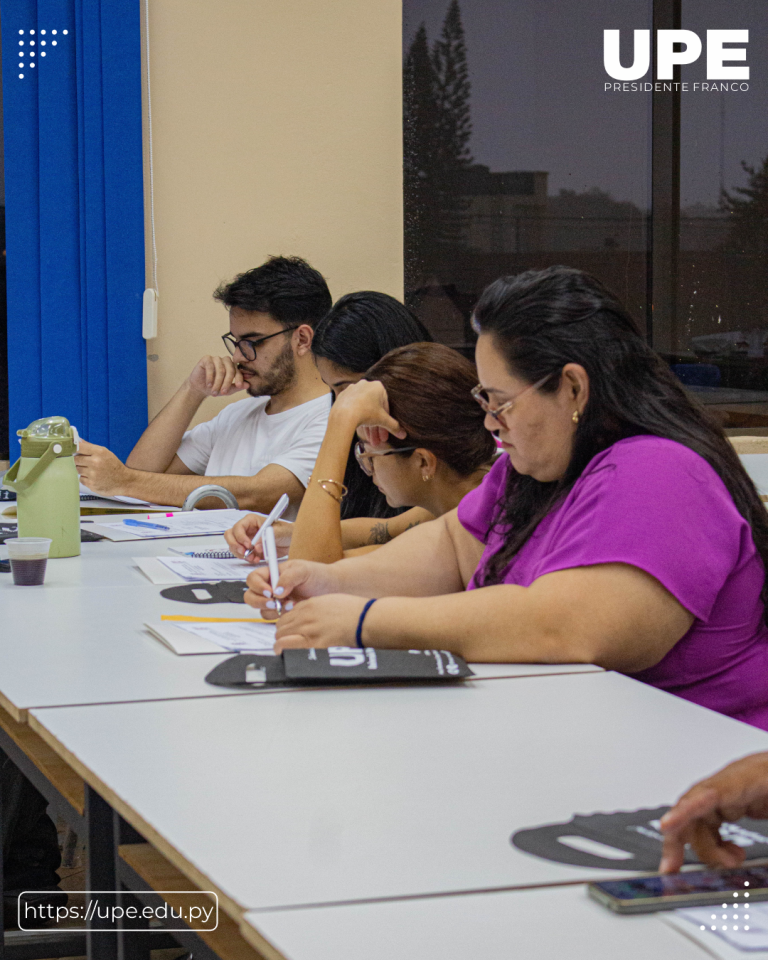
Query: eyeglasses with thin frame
{"type": "Point", "coordinates": [365, 460]}
{"type": "Point", "coordinates": [499, 412]}
{"type": "Point", "coordinates": [248, 348]}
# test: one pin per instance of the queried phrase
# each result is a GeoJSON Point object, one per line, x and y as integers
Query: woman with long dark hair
{"type": "Point", "coordinates": [357, 332]}
{"type": "Point", "coordinates": [620, 529]}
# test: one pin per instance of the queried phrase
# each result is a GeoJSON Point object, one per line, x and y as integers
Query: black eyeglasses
{"type": "Point", "coordinates": [248, 348]}
{"type": "Point", "coordinates": [365, 460]}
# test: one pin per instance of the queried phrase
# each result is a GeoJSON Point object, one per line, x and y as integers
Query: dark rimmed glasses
{"type": "Point", "coordinates": [479, 394]}
{"type": "Point", "coordinates": [364, 460]}
{"type": "Point", "coordinates": [248, 348]}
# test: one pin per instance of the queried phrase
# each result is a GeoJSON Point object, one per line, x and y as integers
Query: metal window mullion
{"type": "Point", "coordinates": [665, 193]}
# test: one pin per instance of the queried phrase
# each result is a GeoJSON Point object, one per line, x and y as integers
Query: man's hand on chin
{"type": "Point", "coordinates": [100, 470]}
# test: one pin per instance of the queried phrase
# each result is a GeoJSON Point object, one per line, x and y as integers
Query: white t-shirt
{"type": "Point", "coordinates": [243, 439]}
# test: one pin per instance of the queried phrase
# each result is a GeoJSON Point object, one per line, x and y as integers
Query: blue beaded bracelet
{"type": "Point", "coordinates": [359, 631]}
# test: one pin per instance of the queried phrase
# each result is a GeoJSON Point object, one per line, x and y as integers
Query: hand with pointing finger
{"type": "Point", "coordinates": [738, 790]}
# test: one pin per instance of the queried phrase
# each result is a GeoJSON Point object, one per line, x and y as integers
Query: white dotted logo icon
{"type": "Point", "coordinates": [738, 917]}
{"type": "Point", "coordinates": [29, 40]}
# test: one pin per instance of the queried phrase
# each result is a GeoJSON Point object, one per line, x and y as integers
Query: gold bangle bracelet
{"type": "Point", "coordinates": [336, 483]}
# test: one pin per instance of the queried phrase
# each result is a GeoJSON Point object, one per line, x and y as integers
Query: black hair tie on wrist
{"type": "Point", "coordinates": [359, 631]}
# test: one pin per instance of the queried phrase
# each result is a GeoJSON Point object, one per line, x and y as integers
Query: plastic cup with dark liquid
{"type": "Point", "coordinates": [29, 557]}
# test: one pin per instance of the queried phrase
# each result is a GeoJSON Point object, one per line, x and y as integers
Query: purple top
{"type": "Point", "coordinates": [659, 506]}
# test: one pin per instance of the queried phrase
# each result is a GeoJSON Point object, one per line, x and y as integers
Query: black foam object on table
{"type": "Point", "coordinates": [88, 536]}
{"type": "Point", "coordinates": [633, 831]}
{"type": "Point", "coordinates": [222, 591]}
{"type": "Point", "coordinates": [234, 672]}
{"type": "Point", "coordinates": [342, 665]}
{"type": "Point", "coordinates": [7, 530]}
{"type": "Point", "coordinates": [10, 530]}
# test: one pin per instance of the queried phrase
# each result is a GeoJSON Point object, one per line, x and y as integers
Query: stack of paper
{"type": "Point", "coordinates": [236, 636]}
{"type": "Point", "coordinates": [196, 523]}
{"type": "Point", "coordinates": [193, 568]}
{"type": "Point", "coordinates": [164, 571]}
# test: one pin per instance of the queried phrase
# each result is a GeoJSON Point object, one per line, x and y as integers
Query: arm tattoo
{"type": "Point", "coordinates": [379, 533]}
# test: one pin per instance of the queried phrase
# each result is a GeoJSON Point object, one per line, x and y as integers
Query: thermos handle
{"type": "Point", "coordinates": [9, 480]}
{"type": "Point", "coordinates": [10, 475]}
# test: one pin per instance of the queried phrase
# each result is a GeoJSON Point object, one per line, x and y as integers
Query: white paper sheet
{"type": "Point", "coordinates": [194, 568]}
{"type": "Point", "coordinates": [739, 931]}
{"type": "Point", "coordinates": [234, 636]}
{"type": "Point", "coordinates": [181, 642]}
{"type": "Point", "coordinates": [187, 639]}
{"type": "Point", "coordinates": [156, 573]}
{"type": "Point", "coordinates": [196, 523]}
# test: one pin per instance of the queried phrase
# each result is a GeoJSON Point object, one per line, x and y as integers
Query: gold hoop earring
{"type": "Point", "coordinates": [575, 416]}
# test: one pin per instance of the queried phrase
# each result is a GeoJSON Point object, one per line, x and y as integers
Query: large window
{"type": "Point", "coordinates": [720, 321]}
{"type": "Point", "coordinates": [515, 156]}
{"type": "Point", "coordinates": [518, 157]}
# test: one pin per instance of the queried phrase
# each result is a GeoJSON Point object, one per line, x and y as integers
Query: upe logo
{"type": "Point", "coordinates": [667, 57]}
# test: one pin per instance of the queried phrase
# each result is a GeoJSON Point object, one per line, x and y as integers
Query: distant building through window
{"type": "Point", "coordinates": [476, 108]}
{"type": "Point", "coordinates": [516, 157]}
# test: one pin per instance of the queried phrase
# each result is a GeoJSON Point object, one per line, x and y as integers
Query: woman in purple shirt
{"type": "Point", "coordinates": [619, 528]}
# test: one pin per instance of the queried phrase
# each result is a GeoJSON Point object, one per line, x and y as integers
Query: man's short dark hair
{"type": "Point", "coordinates": [286, 288]}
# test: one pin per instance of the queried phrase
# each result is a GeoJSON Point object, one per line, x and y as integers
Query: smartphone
{"type": "Point", "coordinates": [695, 888]}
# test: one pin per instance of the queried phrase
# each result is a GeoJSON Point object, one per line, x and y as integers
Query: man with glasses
{"type": "Point", "coordinates": [260, 447]}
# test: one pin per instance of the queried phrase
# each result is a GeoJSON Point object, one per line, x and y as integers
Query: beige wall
{"type": "Point", "coordinates": [276, 130]}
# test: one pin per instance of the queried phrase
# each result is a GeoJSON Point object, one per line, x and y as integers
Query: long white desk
{"type": "Point", "coordinates": [356, 794]}
{"type": "Point", "coordinates": [545, 924]}
{"type": "Point", "coordinates": [80, 638]}
{"type": "Point", "coordinates": [88, 645]}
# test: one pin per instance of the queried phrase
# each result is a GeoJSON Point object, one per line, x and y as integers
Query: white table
{"type": "Point", "coordinates": [80, 638]}
{"type": "Point", "coordinates": [88, 645]}
{"type": "Point", "coordinates": [355, 794]}
{"type": "Point", "coordinates": [546, 924]}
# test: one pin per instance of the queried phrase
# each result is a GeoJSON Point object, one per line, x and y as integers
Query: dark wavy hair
{"type": "Point", "coordinates": [429, 392]}
{"type": "Point", "coordinates": [542, 320]}
{"type": "Point", "coordinates": [286, 288]}
{"type": "Point", "coordinates": [359, 329]}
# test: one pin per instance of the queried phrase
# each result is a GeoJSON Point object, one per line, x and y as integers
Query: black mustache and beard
{"type": "Point", "coordinates": [278, 378]}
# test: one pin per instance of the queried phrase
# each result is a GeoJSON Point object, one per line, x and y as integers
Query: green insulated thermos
{"type": "Point", "coordinates": [47, 485]}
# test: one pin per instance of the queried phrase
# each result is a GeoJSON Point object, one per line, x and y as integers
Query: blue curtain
{"type": "Point", "coordinates": [75, 216]}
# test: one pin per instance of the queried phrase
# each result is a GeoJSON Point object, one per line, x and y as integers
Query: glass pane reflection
{"type": "Point", "coordinates": [515, 155]}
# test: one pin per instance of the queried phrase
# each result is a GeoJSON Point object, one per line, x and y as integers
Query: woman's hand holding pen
{"type": "Point", "coordinates": [314, 615]}
{"type": "Point", "coordinates": [299, 579]}
{"type": "Point", "coordinates": [240, 536]}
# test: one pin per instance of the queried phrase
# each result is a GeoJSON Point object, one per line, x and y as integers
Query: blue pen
{"type": "Point", "coordinates": [143, 523]}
